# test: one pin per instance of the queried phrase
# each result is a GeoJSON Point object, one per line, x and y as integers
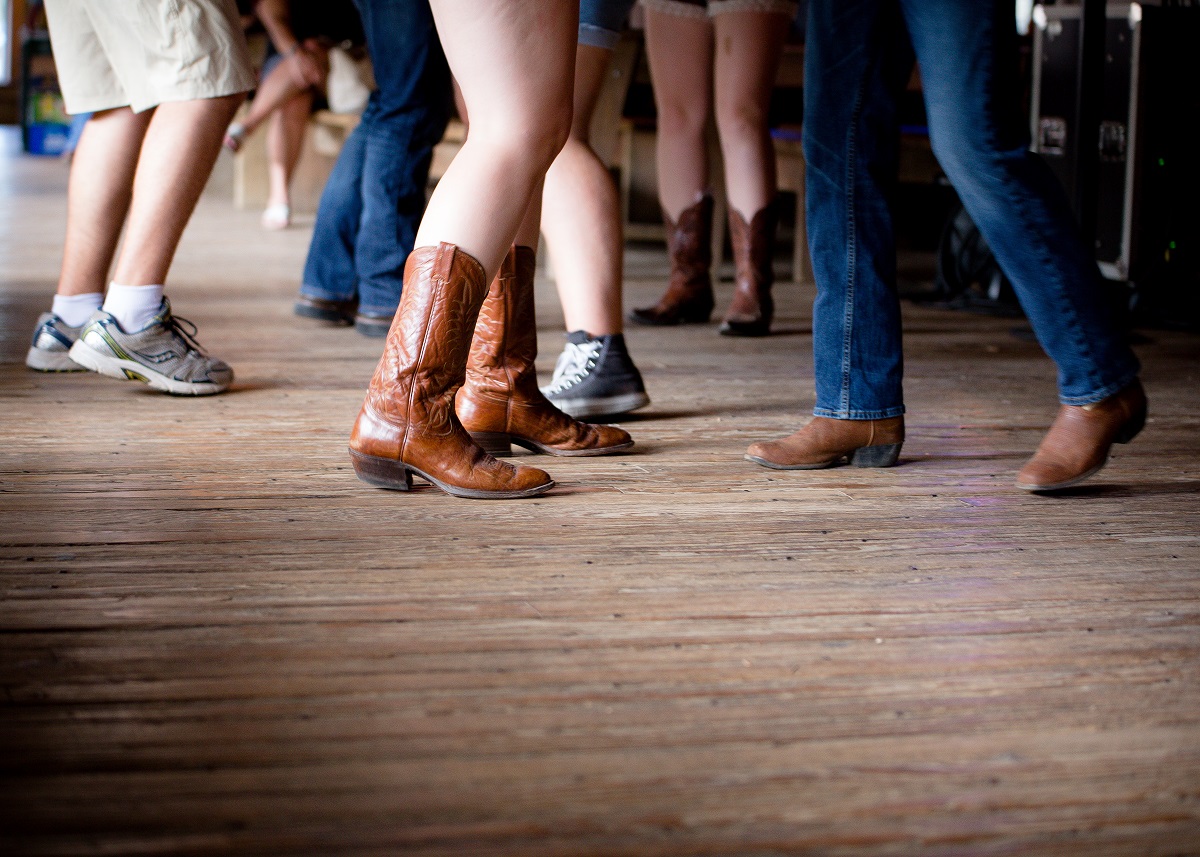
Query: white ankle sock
{"type": "Point", "coordinates": [74, 310]}
{"type": "Point", "coordinates": [133, 307]}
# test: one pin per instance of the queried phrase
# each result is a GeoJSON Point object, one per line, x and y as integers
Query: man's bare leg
{"type": "Point", "coordinates": [177, 157]}
{"type": "Point", "coordinates": [98, 197]}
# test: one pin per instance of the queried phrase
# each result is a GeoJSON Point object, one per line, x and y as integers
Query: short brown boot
{"type": "Point", "coordinates": [689, 295]}
{"type": "Point", "coordinates": [407, 424]}
{"type": "Point", "coordinates": [1079, 441]}
{"type": "Point", "coordinates": [825, 442]}
{"type": "Point", "coordinates": [500, 403]}
{"type": "Point", "coordinates": [752, 308]}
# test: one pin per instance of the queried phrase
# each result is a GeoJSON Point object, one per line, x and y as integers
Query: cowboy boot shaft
{"type": "Point", "coordinates": [689, 294]}
{"type": "Point", "coordinates": [424, 359]}
{"type": "Point", "coordinates": [504, 349]}
{"type": "Point", "coordinates": [753, 307]}
{"type": "Point", "coordinates": [689, 245]}
{"type": "Point", "coordinates": [500, 403]}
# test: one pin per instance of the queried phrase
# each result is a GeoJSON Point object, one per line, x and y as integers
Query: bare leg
{"type": "Point", "coordinates": [514, 62]}
{"type": "Point", "coordinates": [177, 155]}
{"type": "Point", "coordinates": [529, 233]}
{"type": "Point", "coordinates": [748, 50]}
{"type": "Point", "coordinates": [285, 138]}
{"type": "Point", "coordinates": [283, 84]}
{"type": "Point", "coordinates": [98, 197]}
{"type": "Point", "coordinates": [680, 51]}
{"type": "Point", "coordinates": [581, 214]}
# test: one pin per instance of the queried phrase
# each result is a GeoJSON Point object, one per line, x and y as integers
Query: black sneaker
{"type": "Point", "coordinates": [596, 376]}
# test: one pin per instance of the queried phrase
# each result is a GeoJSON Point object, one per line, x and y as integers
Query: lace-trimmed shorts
{"type": "Point", "coordinates": [141, 53]}
{"type": "Point", "coordinates": [709, 8]}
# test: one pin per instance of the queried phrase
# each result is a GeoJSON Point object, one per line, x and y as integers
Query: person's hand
{"type": "Point", "coordinates": [305, 68]}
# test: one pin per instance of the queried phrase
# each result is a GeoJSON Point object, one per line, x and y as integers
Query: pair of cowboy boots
{"type": "Point", "coordinates": [1076, 447]}
{"type": "Point", "coordinates": [689, 295]}
{"type": "Point", "coordinates": [457, 385]}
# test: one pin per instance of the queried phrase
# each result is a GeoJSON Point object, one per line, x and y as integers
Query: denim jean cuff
{"type": "Point", "coordinates": [885, 414]}
{"type": "Point", "coordinates": [598, 37]}
{"type": "Point", "coordinates": [324, 294]}
{"type": "Point", "coordinates": [1104, 392]}
{"type": "Point", "coordinates": [376, 309]}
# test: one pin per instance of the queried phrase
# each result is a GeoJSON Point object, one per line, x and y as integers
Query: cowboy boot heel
{"type": "Point", "coordinates": [381, 472]}
{"type": "Point", "coordinates": [1132, 427]}
{"type": "Point", "coordinates": [885, 455]}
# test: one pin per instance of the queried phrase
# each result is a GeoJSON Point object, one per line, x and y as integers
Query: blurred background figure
{"type": "Point", "coordinates": [374, 199]}
{"type": "Point", "coordinates": [719, 57]}
{"type": "Point", "coordinates": [301, 34]}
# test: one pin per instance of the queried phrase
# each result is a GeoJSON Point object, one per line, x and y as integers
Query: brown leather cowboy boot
{"type": "Point", "coordinates": [752, 308]}
{"type": "Point", "coordinates": [500, 403]}
{"type": "Point", "coordinates": [825, 442]}
{"type": "Point", "coordinates": [689, 295]}
{"type": "Point", "coordinates": [407, 424]}
{"type": "Point", "coordinates": [1079, 441]}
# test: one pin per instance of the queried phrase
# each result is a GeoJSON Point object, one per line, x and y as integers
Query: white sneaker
{"type": "Point", "coordinates": [52, 339]}
{"type": "Point", "coordinates": [163, 354]}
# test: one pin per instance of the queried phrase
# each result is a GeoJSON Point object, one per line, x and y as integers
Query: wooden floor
{"type": "Point", "coordinates": [217, 641]}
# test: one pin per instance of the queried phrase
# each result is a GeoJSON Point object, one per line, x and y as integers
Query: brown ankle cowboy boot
{"type": "Point", "coordinates": [752, 308]}
{"type": "Point", "coordinates": [407, 424]}
{"type": "Point", "coordinates": [500, 403]}
{"type": "Point", "coordinates": [825, 442]}
{"type": "Point", "coordinates": [689, 295]}
{"type": "Point", "coordinates": [1081, 437]}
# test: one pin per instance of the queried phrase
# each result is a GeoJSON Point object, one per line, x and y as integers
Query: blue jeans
{"type": "Point", "coordinates": [858, 58]}
{"type": "Point", "coordinates": [372, 204]}
{"type": "Point", "coordinates": [601, 22]}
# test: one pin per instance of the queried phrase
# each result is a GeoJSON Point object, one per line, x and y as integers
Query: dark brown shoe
{"type": "Point", "coordinates": [407, 424]}
{"type": "Point", "coordinates": [500, 403]}
{"type": "Point", "coordinates": [689, 295]}
{"type": "Point", "coordinates": [1079, 441]}
{"type": "Point", "coordinates": [752, 308]}
{"type": "Point", "coordinates": [825, 442]}
{"type": "Point", "coordinates": [339, 312]}
{"type": "Point", "coordinates": [373, 324]}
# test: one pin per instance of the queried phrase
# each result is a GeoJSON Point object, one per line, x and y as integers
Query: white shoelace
{"type": "Point", "coordinates": [573, 364]}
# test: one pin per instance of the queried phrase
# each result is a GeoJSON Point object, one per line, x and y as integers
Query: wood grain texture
{"type": "Point", "coordinates": [215, 640]}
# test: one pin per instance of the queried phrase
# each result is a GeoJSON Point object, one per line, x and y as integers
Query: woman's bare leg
{"type": "Point", "coordinates": [581, 214]}
{"type": "Point", "coordinates": [514, 62]}
{"type": "Point", "coordinates": [290, 77]}
{"type": "Point", "coordinates": [285, 139]}
{"type": "Point", "coordinates": [748, 50]}
{"type": "Point", "coordinates": [680, 51]}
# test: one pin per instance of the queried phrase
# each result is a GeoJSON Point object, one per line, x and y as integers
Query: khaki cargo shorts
{"type": "Point", "coordinates": [141, 53]}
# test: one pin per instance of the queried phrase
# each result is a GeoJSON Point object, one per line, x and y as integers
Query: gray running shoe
{"type": "Point", "coordinates": [596, 377]}
{"type": "Point", "coordinates": [163, 354]}
{"type": "Point", "coordinates": [52, 339]}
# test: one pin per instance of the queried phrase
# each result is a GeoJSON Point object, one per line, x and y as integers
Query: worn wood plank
{"type": "Point", "coordinates": [215, 640]}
